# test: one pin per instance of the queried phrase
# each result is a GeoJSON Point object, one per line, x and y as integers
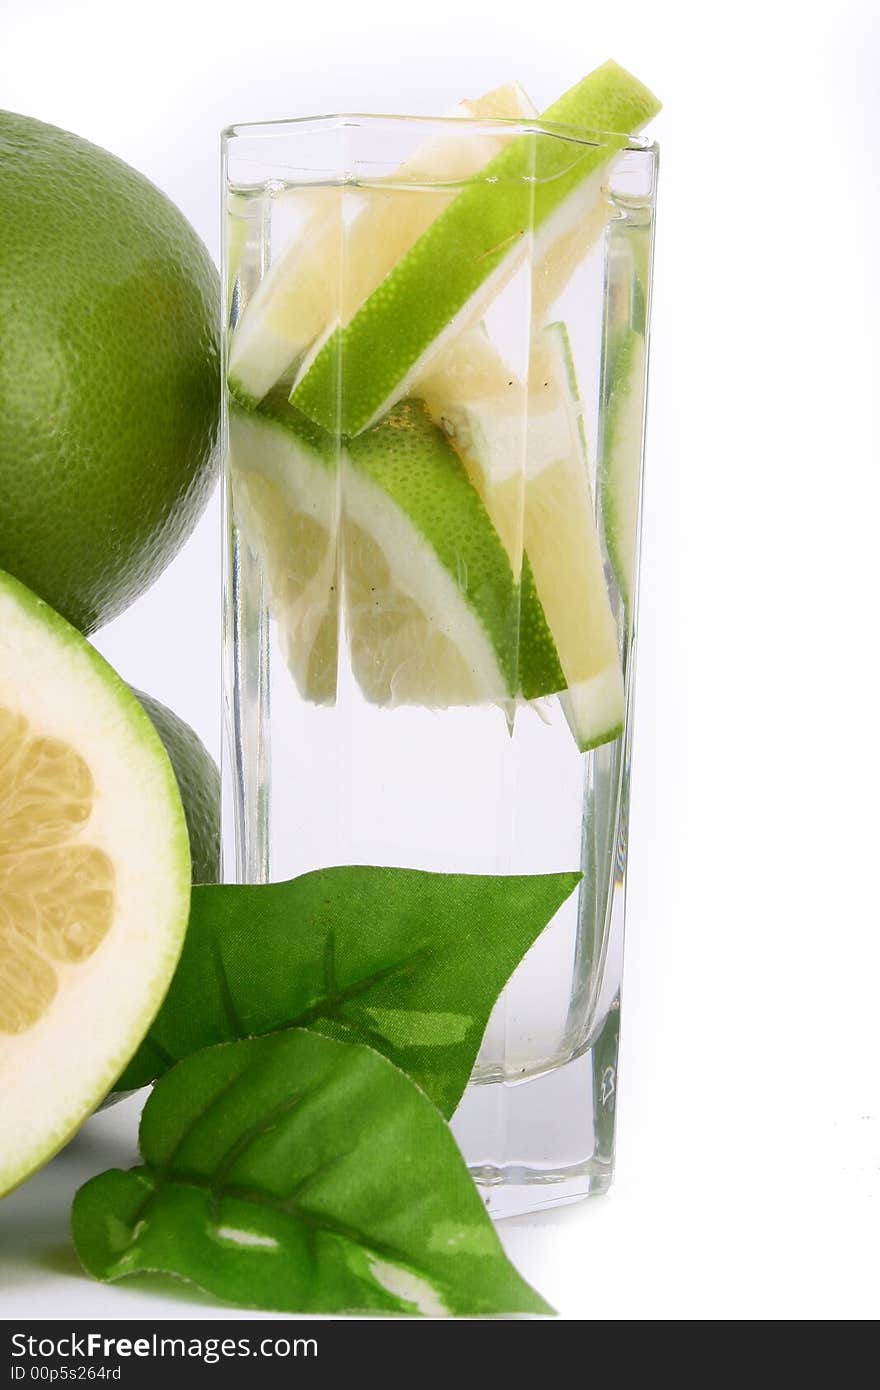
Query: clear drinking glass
{"type": "Point", "coordinates": [369, 718]}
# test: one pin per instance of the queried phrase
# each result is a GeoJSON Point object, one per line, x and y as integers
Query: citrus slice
{"type": "Point", "coordinates": [237, 228]}
{"type": "Point", "coordinates": [432, 611]}
{"type": "Point", "coordinates": [305, 289]}
{"type": "Point", "coordinates": [446, 280]}
{"type": "Point", "coordinates": [285, 503]}
{"type": "Point", "coordinates": [94, 879]}
{"type": "Point", "coordinates": [431, 603]}
{"type": "Point", "coordinates": [524, 447]}
{"type": "Point", "coordinates": [198, 780]}
{"type": "Point", "coordinates": [621, 458]}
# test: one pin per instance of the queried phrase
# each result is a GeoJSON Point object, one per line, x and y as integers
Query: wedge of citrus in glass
{"type": "Point", "coordinates": [420, 578]}
{"type": "Point", "coordinates": [621, 461]}
{"type": "Point", "coordinates": [94, 879]}
{"type": "Point", "coordinates": [523, 445]}
{"type": "Point", "coordinates": [305, 290]}
{"type": "Point", "coordinates": [285, 496]}
{"type": "Point", "coordinates": [446, 280]}
{"type": "Point", "coordinates": [565, 550]}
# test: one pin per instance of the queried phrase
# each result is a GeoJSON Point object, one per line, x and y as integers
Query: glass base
{"type": "Point", "coordinates": [545, 1141]}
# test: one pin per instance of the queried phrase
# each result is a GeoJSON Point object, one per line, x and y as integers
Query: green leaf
{"type": "Point", "coordinates": [406, 961]}
{"type": "Point", "coordinates": [300, 1174]}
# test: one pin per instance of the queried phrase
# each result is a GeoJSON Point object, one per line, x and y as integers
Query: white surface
{"type": "Point", "coordinates": [749, 1177]}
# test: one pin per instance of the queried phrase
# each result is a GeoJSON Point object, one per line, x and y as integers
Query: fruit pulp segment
{"type": "Point", "coordinates": [56, 890]}
{"type": "Point", "coordinates": [286, 501]}
{"type": "Point", "coordinates": [518, 441]}
{"type": "Point", "coordinates": [543, 508]}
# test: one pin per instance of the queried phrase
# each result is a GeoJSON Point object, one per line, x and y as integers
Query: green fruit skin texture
{"type": "Point", "coordinates": [198, 778]}
{"type": "Point", "coordinates": [109, 373]}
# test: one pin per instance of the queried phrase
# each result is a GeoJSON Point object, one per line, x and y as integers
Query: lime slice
{"type": "Point", "coordinates": [503, 431]}
{"type": "Point", "coordinates": [198, 781]}
{"type": "Point", "coordinates": [621, 459]}
{"type": "Point", "coordinates": [431, 604]}
{"type": "Point", "coordinates": [305, 289]}
{"type": "Point", "coordinates": [94, 879]}
{"type": "Point", "coordinates": [432, 611]}
{"type": "Point", "coordinates": [285, 503]}
{"type": "Point", "coordinates": [505, 103]}
{"type": "Point", "coordinates": [565, 241]}
{"type": "Point", "coordinates": [109, 398]}
{"type": "Point", "coordinates": [524, 447]}
{"type": "Point", "coordinates": [446, 280]}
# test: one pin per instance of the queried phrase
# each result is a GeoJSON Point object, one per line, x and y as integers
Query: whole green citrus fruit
{"type": "Point", "coordinates": [198, 778]}
{"type": "Point", "coordinates": [109, 373]}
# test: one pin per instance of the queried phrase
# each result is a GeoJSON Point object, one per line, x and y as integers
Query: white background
{"type": "Point", "coordinates": [749, 1141]}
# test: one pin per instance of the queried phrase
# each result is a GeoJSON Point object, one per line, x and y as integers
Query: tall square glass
{"type": "Point", "coordinates": [368, 717]}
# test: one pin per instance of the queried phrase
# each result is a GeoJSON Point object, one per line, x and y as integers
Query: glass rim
{"type": "Point", "coordinates": [524, 125]}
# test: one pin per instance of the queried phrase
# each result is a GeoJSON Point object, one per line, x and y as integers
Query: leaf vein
{"type": "Point", "coordinates": [333, 1001]}
{"type": "Point", "coordinates": [227, 999]}
{"type": "Point", "coordinates": [314, 1222]}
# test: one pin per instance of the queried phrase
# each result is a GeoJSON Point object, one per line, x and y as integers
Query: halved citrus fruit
{"type": "Point", "coordinates": [94, 879]}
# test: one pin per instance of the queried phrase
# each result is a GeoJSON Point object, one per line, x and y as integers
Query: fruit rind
{"type": "Point", "coordinates": [110, 383]}
{"type": "Point", "coordinates": [444, 282]}
{"type": "Point", "coordinates": [594, 708]}
{"type": "Point", "coordinates": [524, 445]}
{"type": "Point", "coordinates": [621, 458]}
